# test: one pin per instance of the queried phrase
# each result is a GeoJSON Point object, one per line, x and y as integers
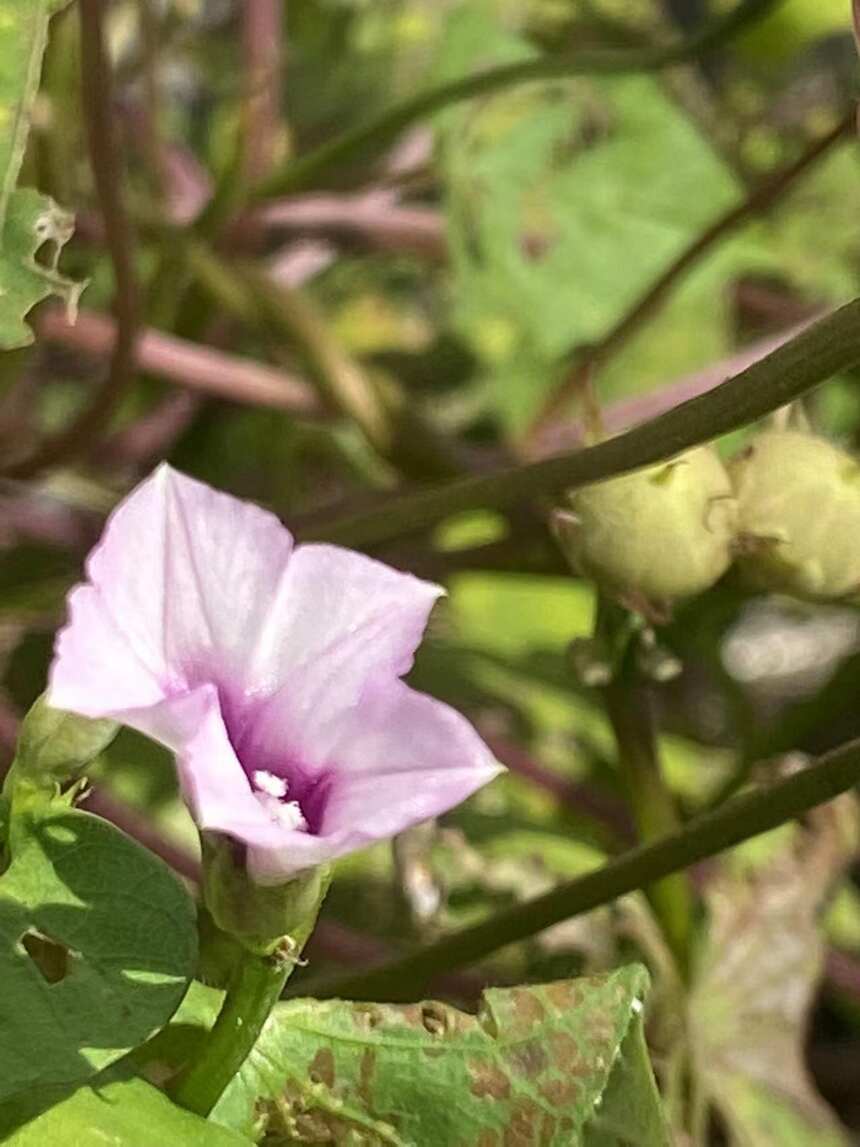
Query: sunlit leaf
{"type": "Point", "coordinates": [97, 943]}
{"type": "Point", "coordinates": [561, 1064]}
{"type": "Point", "coordinates": [116, 1110]}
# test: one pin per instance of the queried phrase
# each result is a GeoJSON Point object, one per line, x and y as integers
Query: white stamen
{"type": "Point", "coordinates": [269, 784]}
{"type": "Point", "coordinates": [286, 813]}
{"type": "Point", "coordinates": [271, 791]}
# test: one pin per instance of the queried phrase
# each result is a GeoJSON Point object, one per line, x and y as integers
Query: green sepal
{"type": "Point", "coordinates": [261, 917]}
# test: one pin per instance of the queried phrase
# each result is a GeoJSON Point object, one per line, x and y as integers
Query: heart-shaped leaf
{"type": "Point", "coordinates": [97, 944]}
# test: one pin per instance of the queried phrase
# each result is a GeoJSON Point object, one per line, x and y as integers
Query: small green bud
{"type": "Point", "coordinates": [798, 515]}
{"type": "Point", "coordinates": [656, 535]}
{"type": "Point", "coordinates": [261, 917]}
{"type": "Point", "coordinates": [54, 747]}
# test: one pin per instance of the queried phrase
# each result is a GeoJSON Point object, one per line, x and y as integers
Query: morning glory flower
{"type": "Point", "coordinates": [272, 671]}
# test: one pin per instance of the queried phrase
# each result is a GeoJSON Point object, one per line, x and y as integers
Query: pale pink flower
{"type": "Point", "coordinates": [271, 671]}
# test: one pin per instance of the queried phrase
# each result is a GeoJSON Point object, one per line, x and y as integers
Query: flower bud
{"type": "Point", "coordinates": [798, 515]}
{"type": "Point", "coordinates": [54, 747]}
{"type": "Point", "coordinates": [656, 535]}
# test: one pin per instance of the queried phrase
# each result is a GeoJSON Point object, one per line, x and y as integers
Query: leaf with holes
{"type": "Point", "coordinates": [562, 1064]}
{"type": "Point", "coordinates": [32, 222]}
{"type": "Point", "coordinates": [28, 221]}
{"type": "Point", "coordinates": [97, 944]}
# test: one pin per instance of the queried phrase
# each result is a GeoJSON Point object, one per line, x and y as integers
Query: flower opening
{"type": "Point", "coordinates": [272, 671]}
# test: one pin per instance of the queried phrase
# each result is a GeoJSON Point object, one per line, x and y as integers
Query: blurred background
{"type": "Point", "coordinates": [423, 302]}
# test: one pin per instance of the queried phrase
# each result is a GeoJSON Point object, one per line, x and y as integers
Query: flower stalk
{"type": "Point", "coordinates": [255, 988]}
{"type": "Point", "coordinates": [629, 707]}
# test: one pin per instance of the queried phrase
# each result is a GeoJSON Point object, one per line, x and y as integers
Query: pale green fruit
{"type": "Point", "coordinates": [798, 515]}
{"type": "Point", "coordinates": [656, 535]}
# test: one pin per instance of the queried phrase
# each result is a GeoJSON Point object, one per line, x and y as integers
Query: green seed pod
{"type": "Point", "coordinates": [798, 515]}
{"type": "Point", "coordinates": [656, 535]}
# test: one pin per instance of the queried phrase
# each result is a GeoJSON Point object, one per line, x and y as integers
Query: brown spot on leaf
{"type": "Point", "coordinates": [563, 1048]}
{"type": "Point", "coordinates": [411, 1015]}
{"type": "Point", "coordinates": [527, 1008]}
{"type": "Point", "coordinates": [488, 1079]}
{"type": "Point", "coordinates": [535, 246]}
{"type": "Point", "coordinates": [321, 1069]}
{"type": "Point", "coordinates": [560, 1092]}
{"type": "Point", "coordinates": [488, 1138]}
{"type": "Point", "coordinates": [313, 1127]}
{"type": "Point", "coordinates": [547, 1131]}
{"type": "Point", "coordinates": [369, 1016]}
{"type": "Point", "coordinates": [528, 1058]}
{"type": "Point", "coordinates": [365, 1076]}
{"type": "Point", "coordinates": [564, 995]}
{"type": "Point", "coordinates": [434, 1018]}
{"type": "Point", "coordinates": [524, 1127]}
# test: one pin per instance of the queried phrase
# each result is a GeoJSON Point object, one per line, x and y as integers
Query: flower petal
{"type": "Point", "coordinates": [340, 620]}
{"type": "Point", "coordinates": [211, 778]}
{"type": "Point", "coordinates": [185, 578]}
{"type": "Point", "coordinates": [400, 758]}
{"type": "Point", "coordinates": [96, 669]}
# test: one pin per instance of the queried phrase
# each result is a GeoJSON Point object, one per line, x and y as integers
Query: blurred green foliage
{"type": "Point", "coordinates": [555, 206]}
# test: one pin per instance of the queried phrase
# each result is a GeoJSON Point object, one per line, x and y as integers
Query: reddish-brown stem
{"type": "Point", "coordinates": [152, 435]}
{"type": "Point", "coordinates": [563, 435]}
{"type": "Point", "coordinates": [151, 110]}
{"type": "Point", "coordinates": [374, 217]}
{"type": "Point", "coordinates": [196, 367]}
{"type": "Point", "coordinates": [261, 43]}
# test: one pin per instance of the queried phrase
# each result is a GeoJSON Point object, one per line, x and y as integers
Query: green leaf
{"type": "Point", "coordinates": [564, 201]}
{"type": "Point", "coordinates": [537, 1064]}
{"type": "Point", "coordinates": [97, 944]}
{"type": "Point", "coordinates": [28, 220]}
{"type": "Point", "coordinates": [630, 1111]}
{"type": "Point", "coordinates": [116, 1111]}
{"type": "Point", "coordinates": [23, 36]}
{"type": "Point", "coordinates": [32, 220]}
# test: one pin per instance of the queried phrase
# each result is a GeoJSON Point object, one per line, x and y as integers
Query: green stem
{"type": "Point", "coordinates": [737, 820]}
{"type": "Point", "coordinates": [369, 139]}
{"type": "Point", "coordinates": [254, 990]}
{"type": "Point", "coordinates": [823, 348]}
{"type": "Point", "coordinates": [629, 706]}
